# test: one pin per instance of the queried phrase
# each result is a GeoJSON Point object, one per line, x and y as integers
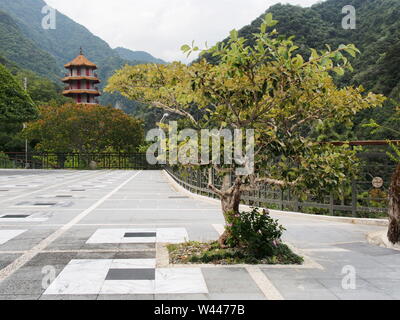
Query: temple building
{"type": "Point", "coordinates": [81, 81]}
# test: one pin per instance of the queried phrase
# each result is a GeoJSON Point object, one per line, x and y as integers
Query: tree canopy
{"type": "Point", "coordinates": [268, 87]}
{"type": "Point", "coordinates": [15, 103]}
{"type": "Point", "coordinates": [85, 129]}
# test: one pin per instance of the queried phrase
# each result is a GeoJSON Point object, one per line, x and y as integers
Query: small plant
{"type": "Point", "coordinates": [256, 231]}
{"type": "Point", "coordinates": [194, 252]}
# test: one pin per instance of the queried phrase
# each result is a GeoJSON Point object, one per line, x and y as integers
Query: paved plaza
{"type": "Point", "coordinates": [100, 235]}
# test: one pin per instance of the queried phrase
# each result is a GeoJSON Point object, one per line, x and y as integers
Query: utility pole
{"type": "Point", "coordinates": [24, 126]}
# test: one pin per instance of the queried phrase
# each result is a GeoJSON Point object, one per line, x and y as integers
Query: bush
{"type": "Point", "coordinates": [211, 253]}
{"type": "Point", "coordinates": [255, 231]}
{"type": "Point", "coordinates": [5, 161]}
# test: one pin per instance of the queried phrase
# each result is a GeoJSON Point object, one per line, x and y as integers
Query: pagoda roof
{"type": "Point", "coordinates": [80, 91]}
{"type": "Point", "coordinates": [71, 78]}
{"type": "Point", "coordinates": [79, 61]}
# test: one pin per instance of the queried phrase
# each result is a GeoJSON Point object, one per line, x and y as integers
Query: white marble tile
{"type": "Point", "coordinates": [117, 236]}
{"type": "Point", "coordinates": [172, 235]}
{"type": "Point", "coordinates": [88, 277]}
{"type": "Point", "coordinates": [139, 240]}
{"type": "Point", "coordinates": [180, 280]}
{"type": "Point", "coordinates": [24, 219]}
{"type": "Point", "coordinates": [163, 235]}
{"type": "Point", "coordinates": [133, 263]}
{"type": "Point", "coordinates": [33, 217]}
{"type": "Point", "coordinates": [80, 277]}
{"type": "Point", "coordinates": [7, 235]}
{"type": "Point", "coordinates": [128, 287]}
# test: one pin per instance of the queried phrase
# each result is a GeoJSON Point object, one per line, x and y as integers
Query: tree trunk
{"type": "Point", "coordinates": [230, 202]}
{"type": "Point", "coordinates": [394, 208]}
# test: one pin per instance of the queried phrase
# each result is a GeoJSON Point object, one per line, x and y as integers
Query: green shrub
{"type": "Point", "coordinates": [5, 161]}
{"type": "Point", "coordinates": [255, 231]}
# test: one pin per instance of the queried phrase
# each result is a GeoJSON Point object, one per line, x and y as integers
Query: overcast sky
{"type": "Point", "coordinates": [160, 27]}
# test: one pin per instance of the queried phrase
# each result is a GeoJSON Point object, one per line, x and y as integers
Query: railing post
{"type": "Point", "coordinates": [354, 198]}
{"type": "Point", "coordinates": [281, 199]}
{"type": "Point", "coordinates": [198, 181]}
{"type": "Point", "coordinates": [331, 203]}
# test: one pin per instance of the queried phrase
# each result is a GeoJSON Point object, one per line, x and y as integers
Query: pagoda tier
{"type": "Point", "coordinates": [81, 80]}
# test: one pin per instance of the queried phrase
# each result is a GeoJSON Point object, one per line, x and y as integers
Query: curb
{"type": "Point", "coordinates": [379, 238]}
{"type": "Point", "coordinates": [351, 220]}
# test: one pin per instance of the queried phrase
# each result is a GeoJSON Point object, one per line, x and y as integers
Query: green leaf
{"type": "Point", "coordinates": [185, 48]}
{"type": "Point", "coordinates": [339, 71]}
{"type": "Point", "coordinates": [234, 34]}
{"type": "Point", "coordinates": [269, 21]}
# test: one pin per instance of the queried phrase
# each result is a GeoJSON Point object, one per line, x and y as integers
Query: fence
{"type": "Point", "coordinates": [360, 199]}
{"type": "Point", "coordinates": [121, 161]}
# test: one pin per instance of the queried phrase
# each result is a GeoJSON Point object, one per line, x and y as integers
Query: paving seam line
{"type": "Point", "coordinates": [22, 260]}
{"type": "Point", "coordinates": [259, 277]}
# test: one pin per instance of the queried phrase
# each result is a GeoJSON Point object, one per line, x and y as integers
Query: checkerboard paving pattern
{"type": "Point", "coordinates": [160, 235]}
{"type": "Point", "coordinates": [25, 217]}
{"type": "Point", "coordinates": [7, 235]}
{"type": "Point", "coordinates": [125, 276]}
{"type": "Point", "coordinates": [42, 204]}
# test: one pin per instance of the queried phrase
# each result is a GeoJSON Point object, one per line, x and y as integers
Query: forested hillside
{"type": "Point", "coordinates": [15, 46]}
{"type": "Point", "coordinates": [26, 47]}
{"type": "Point", "coordinates": [137, 56]}
{"type": "Point", "coordinates": [21, 34]}
{"type": "Point", "coordinates": [63, 42]}
{"type": "Point", "coordinates": [377, 35]}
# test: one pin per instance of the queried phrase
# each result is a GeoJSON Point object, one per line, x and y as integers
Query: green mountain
{"type": "Point", "coordinates": [58, 46]}
{"type": "Point", "coordinates": [377, 35]}
{"type": "Point", "coordinates": [64, 41]}
{"type": "Point", "coordinates": [137, 56]}
{"type": "Point", "coordinates": [16, 47]}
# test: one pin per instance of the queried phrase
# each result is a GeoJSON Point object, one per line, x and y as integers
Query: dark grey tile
{"type": "Point", "coordinates": [136, 255]}
{"type": "Point", "coordinates": [125, 297]}
{"type": "Point", "coordinates": [131, 274]}
{"type": "Point", "coordinates": [45, 203]}
{"type": "Point", "coordinates": [178, 197]}
{"type": "Point", "coordinates": [15, 216]}
{"type": "Point", "coordinates": [134, 246]}
{"type": "Point", "coordinates": [140, 235]}
{"type": "Point", "coordinates": [368, 249]}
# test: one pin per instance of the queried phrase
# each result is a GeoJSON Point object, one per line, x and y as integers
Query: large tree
{"type": "Point", "coordinates": [394, 188]}
{"type": "Point", "coordinates": [85, 129]}
{"type": "Point", "coordinates": [15, 104]}
{"type": "Point", "coordinates": [267, 87]}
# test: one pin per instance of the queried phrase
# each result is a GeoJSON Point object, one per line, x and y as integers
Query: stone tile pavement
{"type": "Point", "coordinates": [94, 234]}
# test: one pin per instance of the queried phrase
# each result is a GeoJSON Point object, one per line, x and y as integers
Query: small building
{"type": "Point", "coordinates": [81, 80]}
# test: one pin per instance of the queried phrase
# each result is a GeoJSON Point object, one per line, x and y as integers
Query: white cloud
{"type": "Point", "coordinates": [160, 27]}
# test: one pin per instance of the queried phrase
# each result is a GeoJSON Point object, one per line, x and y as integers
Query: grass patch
{"type": "Point", "coordinates": [210, 253]}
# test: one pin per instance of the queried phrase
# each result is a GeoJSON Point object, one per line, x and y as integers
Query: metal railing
{"type": "Point", "coordinates": [120, 161]}
{"type": "Point", "coordinates": [356, 202]}
{"type": "Point", "coordinates": [360, 198]}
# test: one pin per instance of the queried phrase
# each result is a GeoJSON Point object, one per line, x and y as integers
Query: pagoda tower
{"type": "Point", "coordinates": [81, 80]}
